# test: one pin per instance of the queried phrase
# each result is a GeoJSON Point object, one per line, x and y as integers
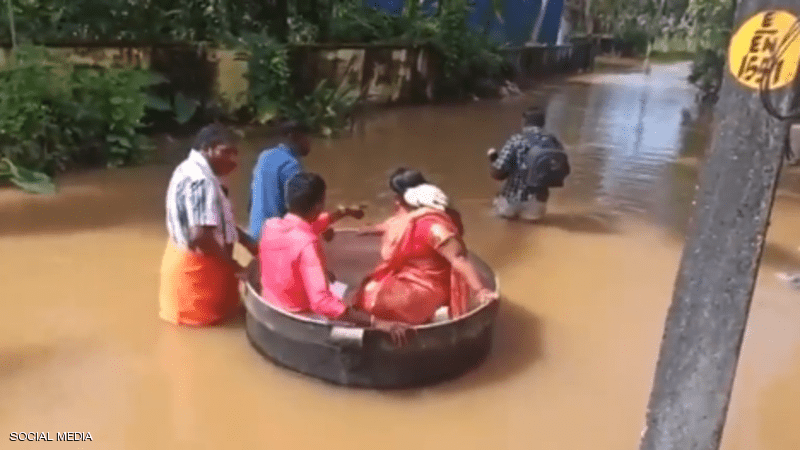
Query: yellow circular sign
{"type": "Point", "coordinates": [755, 42]}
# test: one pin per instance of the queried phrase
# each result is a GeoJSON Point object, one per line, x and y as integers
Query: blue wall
{"type": "Point", "coordinates": [519, 18]}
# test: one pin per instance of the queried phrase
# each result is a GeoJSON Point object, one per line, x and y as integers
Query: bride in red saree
{"type": "Point", "coordinates": [424, 260]}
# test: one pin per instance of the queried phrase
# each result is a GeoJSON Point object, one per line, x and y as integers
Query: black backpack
{"type": "Point", "coordinates": [545, 164]}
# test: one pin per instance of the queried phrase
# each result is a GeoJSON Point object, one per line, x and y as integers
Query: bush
{"type": "Point", "coordinates": [54, 114]}
{"type": "Point", "coordinates": [634, 41]}
{"type": "Point", "coordinates": [269, 73]}
{"type": "Point", "coordinates": [327, 109]}
{"type": "Point", "coordinates": [715, 21]}
{"type": "Point", "coordinates": [466, 54]}
{"type": "Point", "coordinates": [707, 70]}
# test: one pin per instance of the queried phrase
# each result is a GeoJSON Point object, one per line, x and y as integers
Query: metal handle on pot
{"type": "Point", "coordinates": [347, 336]}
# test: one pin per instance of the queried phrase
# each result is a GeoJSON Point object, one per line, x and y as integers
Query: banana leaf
{"type": "Point", "coordinates": [185, 108]}
{"type": "Point", "coordinates": [27, 180]}
{"type": "Point", "coordinates": [157, 103]}
{"type": "Point", "coordinates": [267, 110]}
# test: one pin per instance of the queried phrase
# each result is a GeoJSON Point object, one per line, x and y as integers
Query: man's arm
{"type": "Point", "coordinates": [285, 173]}
{"type": "Point", "coordinates": [204, 217]}
{"type": "Point", "coordinates": [372, 230]}
{"type": "Point", "coordinates": [320, 297]}
{"type": "Point", "coordinates": [315, 281]}
{"type": "Point", "coordinates": [256, 201]}
{"type": "Point", "coordinates": [326, 219]}
{"type": "Point", "coordinates": [247, 242]}
{"type": "Point", "coordinates": [325, 303]}
{"type": "Point", "coordinates": [202, 240]}
{"type": "Point", "coordinates": [505, 161]}
{"type": "Point", "coordinates": [456, 254]}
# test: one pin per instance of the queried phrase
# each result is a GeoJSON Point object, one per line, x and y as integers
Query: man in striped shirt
{"type": "Point", "coordinates": [198, 273]}
{"type": "Point", "coordinates": [517, 198]}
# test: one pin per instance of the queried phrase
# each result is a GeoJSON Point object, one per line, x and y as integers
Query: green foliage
{"type": "Point", "coordinates": [302, 31]}
{"type": "Point", "coordinates": [31, 99]}
{"type": "Point", "coordinates": [636, 38]}
{"type": "Point", "coordinates": [180, 107]}
{"type": "Point", "coordinates": [154, 20]}
{"type": "Point", "coordinates": [705, 22]}
{"type": "Point", "coordinates": [713, 21]}
{"type": "Point", "coordinates": [53, 114]}
{"type": "Point", "coordinates": [27, 180]}
{"type": "Point", "coordinates": [467, 55]}
{"type": "Point", "coordinates": [327, 109]}
{"type": "Point", "coordinates": [269, 73]}
{"type": "Point", "coordinates": [353, 23]}
{"type": "Point", "coordinates": [707, 70]}
{"type": "Point", "coordinates": [108, 105]}
{"type": "Point", "coordinates": [672, 56]}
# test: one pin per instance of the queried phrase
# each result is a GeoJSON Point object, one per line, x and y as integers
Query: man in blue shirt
{"type": "Point", "coordinates": [274, 168]}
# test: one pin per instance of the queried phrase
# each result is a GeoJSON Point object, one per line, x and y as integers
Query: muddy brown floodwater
{"type": "Point", "coordinates": [82, 349]}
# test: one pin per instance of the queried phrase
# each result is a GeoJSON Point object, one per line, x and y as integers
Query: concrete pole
{"type": "Point", "coordinates": [706, 322]}
{"type": "Point", "coordinates": [537, 27]}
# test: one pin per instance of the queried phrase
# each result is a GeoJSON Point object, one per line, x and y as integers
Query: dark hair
{"type": "Point", "coordinates": [534, 116]}
{"type": "Point", "coordinates": [303, 192]}
{"type": "Point", "coordinates": [213, 135]}
{"type": "Point", "coordinates": [404, 179]}
{"type": "Point", "coordinates": [290, 127]}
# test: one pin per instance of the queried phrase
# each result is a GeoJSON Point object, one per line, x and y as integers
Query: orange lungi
{"type": "Point", "coordinates": [196, 289]}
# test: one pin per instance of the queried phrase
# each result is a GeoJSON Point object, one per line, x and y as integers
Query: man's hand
{"type": "Point", "coordinates": [398, 332]}
{"type": "Point", "coordinates": [356, 212]}
{"type": "Point", "coordinates": [240, 272]}
{"type": "Point", "coordinates": [328, 234]}
{"type": "Point", "coordinates": [247, 242]}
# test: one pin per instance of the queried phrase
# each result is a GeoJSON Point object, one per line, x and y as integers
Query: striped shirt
{"type": "Point", "coordinates": [195, 199]}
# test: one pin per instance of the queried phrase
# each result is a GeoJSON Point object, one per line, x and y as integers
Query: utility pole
{"type": "Point", "coordinates": [706, 322]}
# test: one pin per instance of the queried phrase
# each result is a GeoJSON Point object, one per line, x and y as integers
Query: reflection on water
{"type": "Point", "coordinates": [81, 348]}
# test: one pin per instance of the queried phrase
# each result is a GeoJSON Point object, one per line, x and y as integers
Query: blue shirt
{"type": "Point", "coordinates": [274, 168]}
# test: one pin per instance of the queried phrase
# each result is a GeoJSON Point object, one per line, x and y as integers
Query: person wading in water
{"type": "Point", "coordinates": [274, 168]}
{"type": "Point", "coordinates": [198, 273]}
{"type": "Point", "coordinates": [531, 162]}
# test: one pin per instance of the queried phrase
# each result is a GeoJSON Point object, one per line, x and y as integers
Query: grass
{"type": "Point", "coordinates": [670, 57]}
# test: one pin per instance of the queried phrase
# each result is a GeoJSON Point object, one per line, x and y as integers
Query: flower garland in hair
{"type": "Point", "coordinates": [426, 195]}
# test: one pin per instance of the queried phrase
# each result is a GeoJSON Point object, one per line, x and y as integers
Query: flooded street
{"type": "Point", "coordinates": [82, 348]}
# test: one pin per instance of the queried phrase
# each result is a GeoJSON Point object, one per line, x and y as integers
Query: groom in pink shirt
{"type": "Point", "coordinates": [293, 268]}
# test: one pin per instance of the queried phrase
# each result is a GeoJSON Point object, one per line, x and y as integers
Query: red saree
{"type": "Point", "coordinates": [414, 280]}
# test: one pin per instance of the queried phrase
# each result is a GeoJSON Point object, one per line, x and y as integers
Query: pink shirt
{"type": "Point", "coordinates": [294, 275]}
